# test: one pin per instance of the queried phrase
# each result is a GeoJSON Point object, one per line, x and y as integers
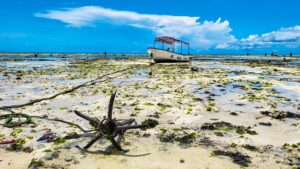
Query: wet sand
{"type": "Point", "coordinates": [224, 114]}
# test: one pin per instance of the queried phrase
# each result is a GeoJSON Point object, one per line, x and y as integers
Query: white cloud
{"type": "Point", "coordinates": [200, 34]}
{"type": "Point", "coordinates": [287, 37]}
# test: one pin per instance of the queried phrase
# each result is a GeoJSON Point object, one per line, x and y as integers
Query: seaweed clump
{"type": "Point", "coordinates": [291, 147]}
{"type": "Point", "coordinates": [18, 145]}
{"type": "Point", "coordinates": [36, 163]}
{"type": "Point", "coordinates": [180, 136]}
{"type": "Point", "coordinates": [280, 115]}
{"type": "Point", "coordinates": [225, 126]}
{"type": "Point", "coordinates": [150, 123]}
{"type": "Point", "coordinates": [250, 147]}
{"type": "Point", "coordinates": [237, 157]}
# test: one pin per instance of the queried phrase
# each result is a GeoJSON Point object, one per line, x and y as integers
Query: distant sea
{"type": "Point", "coordinates": [30, 57]}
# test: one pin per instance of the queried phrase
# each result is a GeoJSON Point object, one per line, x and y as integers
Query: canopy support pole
{"type": "Point", "coordinates": [181, 47]}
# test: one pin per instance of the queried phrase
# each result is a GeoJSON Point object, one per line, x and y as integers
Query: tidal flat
{"type": "Point", "coordinates": [214, 113]}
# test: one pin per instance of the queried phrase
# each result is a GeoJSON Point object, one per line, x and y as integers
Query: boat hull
{"type": "Point", "coordinates": [159, 55]}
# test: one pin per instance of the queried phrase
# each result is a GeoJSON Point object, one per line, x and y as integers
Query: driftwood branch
{"type": "Point", "coordinates": [9, 120]}
{"type": "Point", "coordinates": [63, 121]}
{"type": "Point", "coordinates": [8, 123]}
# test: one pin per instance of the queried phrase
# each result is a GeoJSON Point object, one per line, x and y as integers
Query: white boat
{"type": "Point", "coordinates": [169, 54]}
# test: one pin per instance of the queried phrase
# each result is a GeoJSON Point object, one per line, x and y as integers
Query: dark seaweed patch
{"type": "Point", "coordinates": [237, 157]}
{"type": "Point", "coordinates": [225, 126]}
{"type": "Point", "coordinates": [280, 115]}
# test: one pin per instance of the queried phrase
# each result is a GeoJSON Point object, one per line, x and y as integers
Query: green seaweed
{"type": "Point", "coordinates": [58, 141]}
{"type": "Point", "coordinates": [36, 163]}
{"type": "Point", "coordinates": [250, 147]}
{"type": "Point", "coordinates": [15, 132]}
{"type": "Point", "coordinates": [150, 123]}
{"type": "Point", "coordinates": [233, 145]}
{"type": "Point", "coordinates": [189, 111]}
{"type": "Point", "coordinates": [210, 106]}
{"type": "Point", "coordinates": [148, 104]}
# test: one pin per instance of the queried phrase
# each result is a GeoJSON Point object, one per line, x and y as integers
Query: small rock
{"type": "Point", "coordinates": [220, 134]}
{"type": "Point", "coordinates": [53, 155]}
{"type": "Point", "coordinates": [36, 163]}
{"type": "Point", "coordinates": [28, 149]}
{"type": "Point", "coordinates": [294, 160]}
{"type": "Point", "coordinates": [265, 124]}
{"type": "Point", "coordinates": [127, 143]}
{"type": "Point", "coordinates": [206, 92]}
{"type": "Point", "coordinates": [222, 90]}
{"type": "Point", "coordinates": [49, 157]}
{"type": "Point", "coordinates": [181, 161]}
{"type": "Point", "coordinates": [240, 104]}
{"type": "Point", "coordinates": [68, 159]}
{"type": "Point", "coordinates": [234, 113]}
{"type": "Point", "coordinates": [267, 148]}
{"type": "Point", "coordinates": [48, 137]}
{"type": "Point", "coordinates": [146, 135]}
{"type": "Point", "coordinates": [57, 166]}
{"type": "Point", "coordinates": [72, 135]}
{"type": "Point", "coordinates": [194, 69]}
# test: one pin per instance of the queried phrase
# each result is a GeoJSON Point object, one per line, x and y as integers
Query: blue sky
{"type": "Point", "coordinates": [212, 26]}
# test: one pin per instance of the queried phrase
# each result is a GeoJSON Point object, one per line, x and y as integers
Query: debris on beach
{"type": "Point", "coordinates": [110, 127]}
{"type": "Point", "coordinates": [47, 137]}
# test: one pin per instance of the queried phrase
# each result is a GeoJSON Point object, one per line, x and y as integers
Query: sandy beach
{"type": "Point", "coordinates": [211, 113]}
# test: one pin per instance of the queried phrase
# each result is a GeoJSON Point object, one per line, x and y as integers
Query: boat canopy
{"type": "Point", "coordinates": [172, 42]}
{"type": "Point", "coordinates": [169, 40]}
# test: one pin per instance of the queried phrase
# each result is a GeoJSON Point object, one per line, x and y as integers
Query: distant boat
{"type": "Point", "coordinates": [169, 54]}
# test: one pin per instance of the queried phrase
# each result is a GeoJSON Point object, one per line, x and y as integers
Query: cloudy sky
{"type": "Point", "coordinates": [211, 26]}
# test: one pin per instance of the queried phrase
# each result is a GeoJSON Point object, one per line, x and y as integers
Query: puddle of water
{"type": "Point", "coordinates": [130, 80]}
{"type": "Point", "coordinates": [65, 81]}
{"type": "Point", "coordinates": [289, 90]}
{"type": "Point", "coordinates": [218, 65]}
{"type": "Point", "coordinates": [253, 77]}
{"type": "Point", "coordinates": [30, 65]}
{"type": "Point", "coordinates": [142, 72]}
{"type": "Point", "coordinates": [239, 58]}
{"type": "Point", "coordinates": [23, 89]}
{"type": "Point", "coordinates": [139, 76]}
